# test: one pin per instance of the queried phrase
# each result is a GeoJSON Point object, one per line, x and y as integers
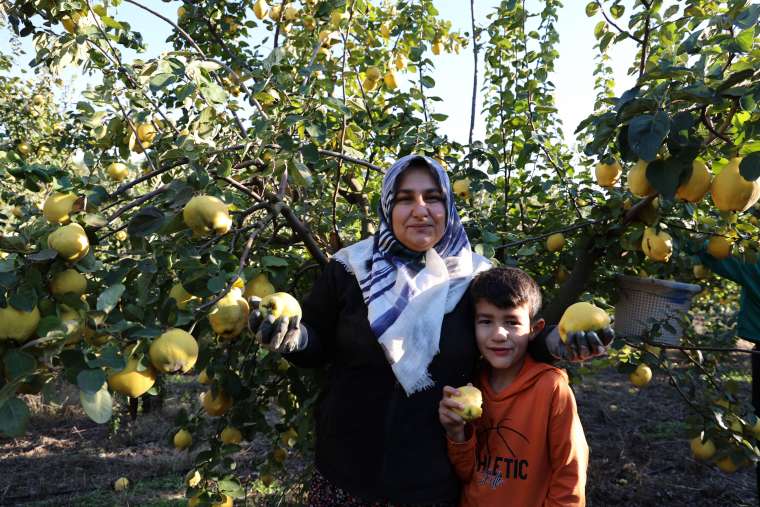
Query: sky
{"type": "Point", "coordinates": [573, 79]}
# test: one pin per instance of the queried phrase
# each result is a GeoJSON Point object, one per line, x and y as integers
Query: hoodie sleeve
{"type": "Point", "coordinates": [568, 451]}
{"type": "Point", "coordinates": [730, 267]}
{"type": "Point", "coordinates": [462, 456]}
{"type": "Point", "coordinates": [320, 317]}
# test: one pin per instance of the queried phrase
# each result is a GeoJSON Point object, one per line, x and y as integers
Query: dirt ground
{"type": "Point", "coordinates": [639, 454]}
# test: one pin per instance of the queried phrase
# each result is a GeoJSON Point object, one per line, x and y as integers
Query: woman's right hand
{"type": "Point", "coordinates": [283, 334]}
{"type": "Point", "coordinates": [452, 422]}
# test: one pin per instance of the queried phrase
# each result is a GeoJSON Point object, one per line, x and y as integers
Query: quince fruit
{"type": "Point", "coordinates": [702, 450]}
{"type": "Point", "coordinates": [203, 378]}
{"type": "Point", "coordinates": [181, 296]}
{"type": "Point", "coordinates": [66, 281]}
{"type": "Point", "coordinates": [130, 381]}
{"type": "Point", "coordinates": [719, 247]}
{"type": "Point", "coordinates": [226, 502]}
{"type": "Point", "coordinates": [700, 271]}
{"type": "Point", "coordinates": [18, 325]}
{"type": "Point", "coordinates": [23, 148]}
{"type": "Point", "coordinates": [70, 241]}
{"type": "Point", "coordinates": [182, 439]}
{"type": "Point", "coordinates": [117, 171]}
{"type": "Point", "coordinates": [229, 316]}
{"type": "Point", "coordinates": [390, 80]}
{"type": "Point", "coordinates": [215, 406]}
{"type": "Point", "coordinates": [231, 435]}
{"type": "Point", "coordinates": [638, 183]}
{"type": "Point", "coordinates": [401, 62]}
{"type": "Point", "coordinates": [121, 484]}
{"type": "Point", "coordinates": [181, 12]}
{"type": "Point", "coordinates": [697, 185]}
{"type": "Point", "coordinates": [641, 375]}
{"type": "Point", "coordinates": [280, 304]}
{"type": "Point", "coordinates": [461, 188]}
{"type": "Point", "coordinates": [582, 316]}
{"type": "Point", "coordinates": [727, 465]}
{"type": "Point", "coordinates": [472, 402]}
{"type": "Point", "coordinates": [174, 351]}
{"type": "Point", "coordinates": [369, 84]}
{"type": "Point", "coordinates": [57, 207]}
{"type": "Point", "coordinates": [555, 242]}
{"type": "Point", "coordinates": [275, 12]}
{"type": "Point", "coordinates": [657, 246]}
{"type": "Point", "coordinates": [259, 287]}
{"type": "Point", "coordinates": [205, 214]}
{"type": "Point", "coordinates": [290, 13]}
{"type": "Point", "coordinates": [373, 73]}
{"type": "Point", "coordinates": [437, 48]}
{"type": "Point", "coordinates": [731, 192]}
{"type": "Point", "coordinates": [608, 175]}
{"type": "Point", "coordinates": [260, 9]}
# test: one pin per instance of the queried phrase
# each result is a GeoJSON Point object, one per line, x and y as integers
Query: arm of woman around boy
{"type": "Point", "coordinates": [460, 437]}
{"type": "Point", "coordinates": [568, 450]}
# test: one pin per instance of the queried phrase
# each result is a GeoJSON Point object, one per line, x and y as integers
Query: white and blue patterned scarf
{"type": "Point", "coordinates": [407, 293]}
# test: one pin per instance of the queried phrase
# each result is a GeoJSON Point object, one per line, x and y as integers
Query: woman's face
{"type": "Point", "coordinates": [419, 212]}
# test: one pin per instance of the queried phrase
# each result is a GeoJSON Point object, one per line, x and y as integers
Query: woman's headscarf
{"type": "Point", "coordinates": [407, 293]}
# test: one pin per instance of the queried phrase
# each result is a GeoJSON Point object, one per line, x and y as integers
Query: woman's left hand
{"type": "Point", "coordinates": [580, 345]}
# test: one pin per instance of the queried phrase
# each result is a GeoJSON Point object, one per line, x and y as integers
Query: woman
{"type": "Point", "coordinates": [391, 320]}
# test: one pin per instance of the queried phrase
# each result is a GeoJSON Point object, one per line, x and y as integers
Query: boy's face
{"type": "Point", "coordinates": [503, 334]}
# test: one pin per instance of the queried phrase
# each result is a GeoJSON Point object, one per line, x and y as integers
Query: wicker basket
{"type": "Point", "coordinates": [642, 299]}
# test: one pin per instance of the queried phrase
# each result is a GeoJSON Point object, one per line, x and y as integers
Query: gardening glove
{"type": "Point", "coordinates": [580, 345]}
{"type": "Point", "coordinates": [283, 334]}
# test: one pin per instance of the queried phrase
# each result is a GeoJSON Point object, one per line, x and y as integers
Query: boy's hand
{"type": "Point", "coordinates": [452, 423]}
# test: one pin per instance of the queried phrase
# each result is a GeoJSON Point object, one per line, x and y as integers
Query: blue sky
{"type": "Point", "coordinates": [453, 74]}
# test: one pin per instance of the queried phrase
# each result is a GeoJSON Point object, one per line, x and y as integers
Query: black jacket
{"type": "Point", "coordinates": [372, 439]}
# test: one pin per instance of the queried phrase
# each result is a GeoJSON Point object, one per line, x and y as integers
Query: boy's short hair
{"type": "Point", "coordinates": [507, 287]}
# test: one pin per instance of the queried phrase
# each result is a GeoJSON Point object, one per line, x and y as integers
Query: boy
{"type": "Point", "coordinates": [528, 447]}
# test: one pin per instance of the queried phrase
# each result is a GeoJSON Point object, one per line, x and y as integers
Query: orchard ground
{"type": "Point", "coordinates": [639, 452]}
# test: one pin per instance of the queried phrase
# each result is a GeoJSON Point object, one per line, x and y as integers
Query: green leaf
{"type": "Point", "coordinates": [646, 134]}
{"type": "Point", "coordinates": [91, 381]}
{"type": "Point", "coordinates": [427, 81]}
{"type": "Point", "coordinates": [300, 173]}
{"type": "Point", "coordinates": [269, 260]}
{"type": "Point", "coordinates": [45, 255]}
{"type": "Point", "coordinates": [749, 167]}
{"type": "Point", "coordinates": [109, 298]}
{"type": "Point", "coordinates": [664, 176]}
{"type": "Point", "coordinates": [14, 415]}
{"type": "Point", "coordinates": [24, 299]}
{"type": "Point", "coordinates": [161, 80]}
{"type": "Point", "coordinates": [146, 221]}
{"type": "Point", "coordinates": [600, 29]}
{"type": "Point", "coordinates": [617, 11]}
{"type": "Point", "coordinates": [591, 9]}
{"type": "Point", "coordinates": [745, 39]}
{"type": "Point", "coordinates": [98, 406]}
{"type": "Point", "coordinates": [18, 364]}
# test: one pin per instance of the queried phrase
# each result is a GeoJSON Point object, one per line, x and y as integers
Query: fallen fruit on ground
{"type": "Point", "coordinates": [582, 316]}
{"type": "Point", "coordinates": [727, 465]}
{"type": "Point", "coordinates": [175, 351]}
{"type": "Point", "coordinates": [121, 484]}
{"type": "Point", "coordinates": [472, 402]}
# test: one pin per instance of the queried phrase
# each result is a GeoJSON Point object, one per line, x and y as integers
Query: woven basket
{"type": "Point", "coordinates": [642, 299]}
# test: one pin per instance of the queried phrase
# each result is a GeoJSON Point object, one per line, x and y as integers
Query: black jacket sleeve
{"type": "Point", "coordinates": [321, 310]}
{"type": "Point", "coordinates": [537, 347]}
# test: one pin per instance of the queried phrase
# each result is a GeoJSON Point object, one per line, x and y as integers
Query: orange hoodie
{"type": "Point", "coordinates": [528, 447]}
